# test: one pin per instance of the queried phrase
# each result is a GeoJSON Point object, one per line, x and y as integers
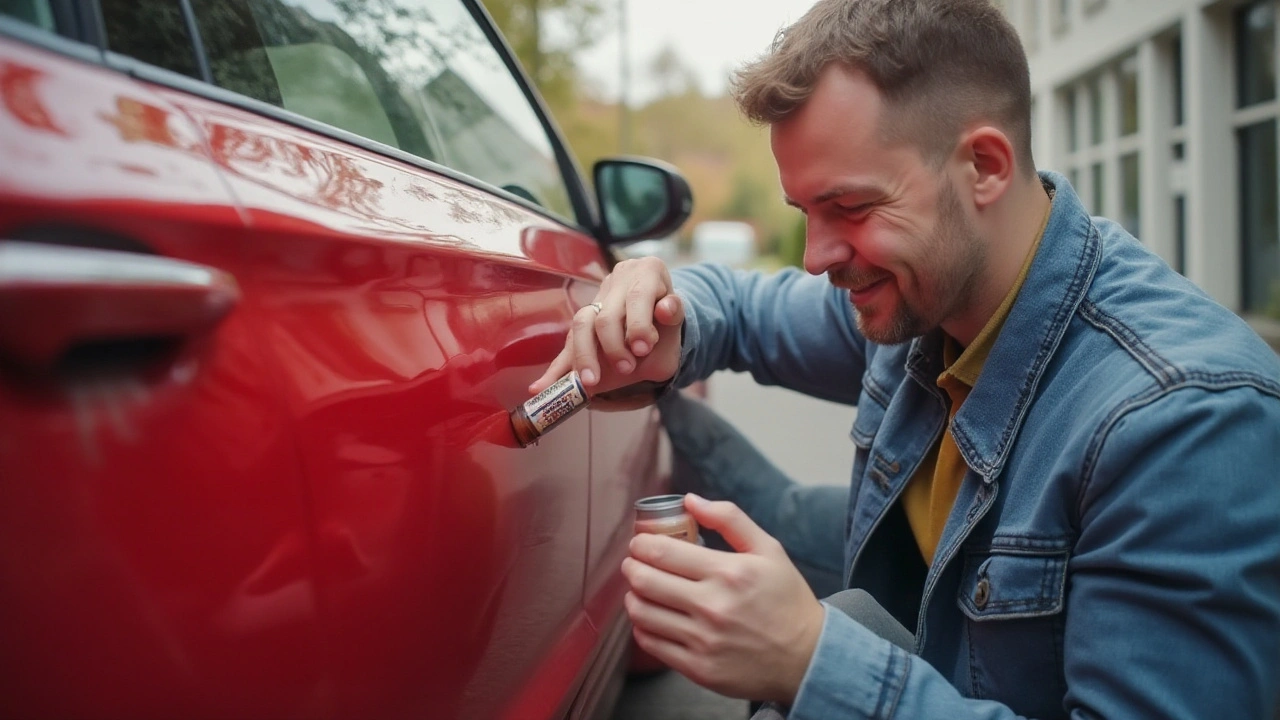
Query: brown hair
{"type": "Point", "coordinates": [940, 65]}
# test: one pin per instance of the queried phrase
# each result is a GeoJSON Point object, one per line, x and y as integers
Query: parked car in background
{"type": "Point", "coordinates": [729, 242]}
{"type": "Point", "coordinates": [271, 274]}
{"type": "Point", "coordinates": [665, 249]}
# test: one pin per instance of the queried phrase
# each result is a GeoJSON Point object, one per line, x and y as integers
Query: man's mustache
{"type": "Point", "coordinates": [853, 279]}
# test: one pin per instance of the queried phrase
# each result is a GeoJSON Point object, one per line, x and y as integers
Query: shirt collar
{"type": "Point", "coordinates": [968, 366]}
{"type": "Point", "coordinates": [1060, 271]}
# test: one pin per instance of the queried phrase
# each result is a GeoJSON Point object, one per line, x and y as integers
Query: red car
{"type": "Point", "coordinates": [272, 272]}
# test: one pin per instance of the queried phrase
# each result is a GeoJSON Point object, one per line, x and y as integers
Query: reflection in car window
{"type": "Point", "coordinates": [35, 12]}
{"type": "Point", "coordinates": [418, 75]}
{"type": "Point", "coordinates": [153, 31]}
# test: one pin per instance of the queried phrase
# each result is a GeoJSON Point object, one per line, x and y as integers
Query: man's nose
{"type": "Point", "coordinates": [824, 249]}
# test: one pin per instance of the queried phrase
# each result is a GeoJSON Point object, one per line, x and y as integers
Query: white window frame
{"type": "Point", "coordinates": [1112, 147]}
{"type": "Point", "coordinates": [1252, 115]}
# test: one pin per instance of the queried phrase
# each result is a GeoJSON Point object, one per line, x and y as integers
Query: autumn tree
{"type": "Point", "coordinates": [546, 35]}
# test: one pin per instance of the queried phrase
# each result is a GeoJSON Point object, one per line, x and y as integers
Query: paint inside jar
{"type": "Point", "coordinates": [665, 515]}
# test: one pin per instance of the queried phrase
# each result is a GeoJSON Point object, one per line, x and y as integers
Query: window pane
{"type": "Point", "coordinates": [1095, 111]}
{"type": "Point", "coordinates": [35, 12]}
{"type": "Point", "coordinates": [1031, 25]}
{"type": "Point", "coordinates": [1128, 81]}
{"type": "Point", "coordinates": [1180, 234]}
{"type": "Point", "coordinates": [1255, 53]}
{"type": "Point", "coordinates": [1259, 228]}
{"type": "Point", "coordinates": [418, 75]}
{"type": "Point", "coordinates": [1130, 185]}
{"type": "Point", "coordinates": [153, 31]}
{"type": "Point", "coordinates": [1099, 190]}
{"type": "Point", "coordinates": [1178, 109]}
{"type": "Point", "coordinates": [1073, 129]}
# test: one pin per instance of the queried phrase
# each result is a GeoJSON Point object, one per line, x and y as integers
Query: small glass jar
{"type": "Point", "coordinates": [665, 515]}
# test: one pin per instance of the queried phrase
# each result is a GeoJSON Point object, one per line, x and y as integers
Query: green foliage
{"type": "Point", "coordinates": [791, 248]}
{"type": "Point", "coordinates": [1273, 306]}
{"type": "Point", "coordinates": [726, 160]}
{"type": "Point", "coordinates": [550, 64]}
{"type": "Point", "coordinates": [746, 198]}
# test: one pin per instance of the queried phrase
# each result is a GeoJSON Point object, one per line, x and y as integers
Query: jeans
{"type": "Point", "coordinates": [714, 460]}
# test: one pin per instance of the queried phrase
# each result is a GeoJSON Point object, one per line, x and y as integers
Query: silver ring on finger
{"type": "Point", "coordinates": [597, 306]}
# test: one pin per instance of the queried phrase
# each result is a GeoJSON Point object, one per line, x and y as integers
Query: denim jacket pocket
{"type": "Point", "coordinates": [1007, 584]}
{"type": "Point", "coordinates": [1014, 600]}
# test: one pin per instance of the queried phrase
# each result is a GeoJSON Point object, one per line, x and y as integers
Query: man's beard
{"type": "Point", "coordinates": [954, 250]}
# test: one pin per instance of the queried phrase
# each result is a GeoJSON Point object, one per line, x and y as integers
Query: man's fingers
{"type": "Point", "coordinates": [641, 334]}
{"type": "Point", "coordinates": [657, 619]}
{"type": "Point", "coordinates": [609, 332]}
{"type": "Point", "coordinates": [659, 585]}
{"type": "Point", "coordinates": [582, 338]}
{"type": "Point", "coordinates": [734, 526]}
{"type": "Point", "coordinates": [672, 654]}
{"type": "Point", "coordinates": [678, 557]}
{"type": "Point", "coordinates": [558, 368]}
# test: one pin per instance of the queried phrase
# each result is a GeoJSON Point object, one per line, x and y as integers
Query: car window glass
{"type": "Point", "coordinates": [418, 75]}
{"type": "Point", "coordinates": [35, 12]}
{"type": "Point", "coordinates": [153, 31]}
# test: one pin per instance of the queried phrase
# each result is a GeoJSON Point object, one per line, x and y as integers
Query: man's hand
{"type": "Point", "coordinates": [636, 327]}
{"type": "Point", "coordinates": [744, 625]}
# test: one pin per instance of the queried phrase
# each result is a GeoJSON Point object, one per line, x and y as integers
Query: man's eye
{"type": "Point", "coordinates": [853, 209]}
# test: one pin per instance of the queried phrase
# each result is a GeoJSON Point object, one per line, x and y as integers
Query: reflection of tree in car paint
{"type": "Point", "coordinates": [331, 179]}
{"type": "Point", "coordinates": [471, 207]}
{"type": "Point", "coordinates": [20, 96]}
{"type": "Point", "coordinates": [138, 121]}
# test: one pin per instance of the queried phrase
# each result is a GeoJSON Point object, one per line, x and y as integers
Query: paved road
{"type": "Point", "coordinates": [809, 440]}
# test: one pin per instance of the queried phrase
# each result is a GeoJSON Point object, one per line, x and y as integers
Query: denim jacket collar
{"type": "Point", "coordinates": [1061, 273]}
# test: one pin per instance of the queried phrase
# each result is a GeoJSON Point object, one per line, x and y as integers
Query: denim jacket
{"type": "Point", "coordinates": [1115, 547]}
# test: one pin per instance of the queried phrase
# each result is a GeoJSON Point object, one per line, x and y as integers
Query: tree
{"type": "Point", "coordinates": [546, 35]}
{"type": "Point", "coordinates": [673, 77]}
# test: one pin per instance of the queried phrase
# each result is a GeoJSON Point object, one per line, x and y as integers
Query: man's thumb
{"type": "Point", "coordinates": [669, 310]}
{"type": "Point", "coordinates": [724, 517]}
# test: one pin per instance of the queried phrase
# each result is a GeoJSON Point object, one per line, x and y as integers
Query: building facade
{"type": "Point", "coordinates": [1163, 114]}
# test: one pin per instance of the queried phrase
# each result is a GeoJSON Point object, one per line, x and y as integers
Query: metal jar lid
{"type": "Point", "coordinates": [660, 506]}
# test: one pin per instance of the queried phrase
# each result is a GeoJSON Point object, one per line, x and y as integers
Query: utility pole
{"type": "Point", "coordinates": [624, 81]}
{"type": "Point", "coordinates": [535, 16]}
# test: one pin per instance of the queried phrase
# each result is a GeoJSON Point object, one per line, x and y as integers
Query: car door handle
{"type": "Point", "coordinates": [53, 297]}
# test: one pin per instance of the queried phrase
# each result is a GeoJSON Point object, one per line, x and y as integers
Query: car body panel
{"type": "Point", "coordinates": [406, 317]}
{"type": "Point", "coordinates": [153, 527]}
{"type": "Point", "coordinates": [318, 507]}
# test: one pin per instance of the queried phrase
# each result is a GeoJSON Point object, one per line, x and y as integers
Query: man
{"type": "Point", "coordinates": [1067, 469]}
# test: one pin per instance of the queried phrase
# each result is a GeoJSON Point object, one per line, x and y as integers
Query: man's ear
{"type": "Point", "coordinates": [990, 156]}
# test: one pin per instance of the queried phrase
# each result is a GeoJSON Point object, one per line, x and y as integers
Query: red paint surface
{"type": "Point", "coordinates": [316, 508]}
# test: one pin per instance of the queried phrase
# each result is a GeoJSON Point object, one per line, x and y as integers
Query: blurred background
{"type": "Point", "coordinates": [1161, 113]}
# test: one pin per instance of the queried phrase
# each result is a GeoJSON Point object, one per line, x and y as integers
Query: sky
{"type": "Point", "coordinates": [711, 36]}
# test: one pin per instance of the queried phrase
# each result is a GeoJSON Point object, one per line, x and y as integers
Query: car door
{"type": "Point", "coordinates": [154, 545]}
{"type": "Point", "coordinates": [413, 254]}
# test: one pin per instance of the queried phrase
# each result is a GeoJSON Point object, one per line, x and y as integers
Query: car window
{"type": "Point", "coordinates": [418, 75]}
{"type": "Point", "coordinates": [36, 12]}
{"type": "Point", "coordinates": [153, 31]}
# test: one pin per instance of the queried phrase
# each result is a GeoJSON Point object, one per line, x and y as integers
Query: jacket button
{"type": "Point", "coordinates": [982, 594]}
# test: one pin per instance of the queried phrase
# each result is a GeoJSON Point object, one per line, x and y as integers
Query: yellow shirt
{"type": "Point", "coordinates": [931, 492]}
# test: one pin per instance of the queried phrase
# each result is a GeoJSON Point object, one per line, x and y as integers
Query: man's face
{"type": "Point", "coordinates": [881, 223]}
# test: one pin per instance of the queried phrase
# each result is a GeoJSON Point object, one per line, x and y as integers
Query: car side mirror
{"type": "Point", "coordinates": [640, 199]}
